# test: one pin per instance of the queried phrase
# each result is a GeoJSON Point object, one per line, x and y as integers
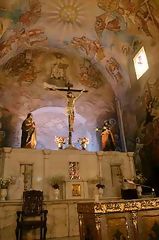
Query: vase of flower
{"type": "Point", "coordinates": [100, 188]}
{"type": "Point", "coordinates": [3, 194]}
{"type": "Point", "coordinates": [56, 189]}
{"type": "Point", "coordinates": [139, 181]}
{"type": "Point", "coordinates": [4, 184]}
{"type": "Point", "coordinates": [139, 190]}
{"type": "Point", "coordinates": [60, 141]}
{"type": "Point", "coordinates": [100, 191]}
{"type": "Point", "coordinates": [56, 193]}
{"type": "Point", "coordinates": [57, 185]}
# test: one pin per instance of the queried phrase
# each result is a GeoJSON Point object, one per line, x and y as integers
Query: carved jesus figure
{"type": "Point", "coordinates": [71, 99]}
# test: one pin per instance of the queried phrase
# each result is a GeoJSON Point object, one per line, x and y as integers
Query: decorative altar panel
{"type": "Point", "coordinates": [116, 227]}
{"type": "Point", "coordinates": [148, 225]}
{"type": "Point", "coordinates": [126, 220]}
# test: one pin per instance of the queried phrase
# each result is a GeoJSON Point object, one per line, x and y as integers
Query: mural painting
{"type": "Point", "coordinates": [18, 35]}
{"type": "Point", "coordinates": [100, 45]}
{"type": "Point", "coordinates": [22, 67]}
{"type": "Point", "coordinates": [58, 74]}
{"type": "Point", "coordinates": [114, 69]}
{"type": "Point", "coordinates": [64, 13]}
{"type": "Point", "coordinates": [121, 15]}
{"type": "Point", "coordinates": [90, 76]}
{"type": "Point", "coordinates": [92, 48]}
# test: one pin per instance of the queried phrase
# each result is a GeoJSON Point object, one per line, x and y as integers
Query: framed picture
{"type": "Point", "coordinates": [76, 190]}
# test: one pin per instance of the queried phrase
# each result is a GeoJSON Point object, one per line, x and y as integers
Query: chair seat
{"type": "Point", "coordinates": [31, 224]}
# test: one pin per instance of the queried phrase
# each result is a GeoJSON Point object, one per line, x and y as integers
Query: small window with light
{"type": "Point", "coordinates": [140, 63]}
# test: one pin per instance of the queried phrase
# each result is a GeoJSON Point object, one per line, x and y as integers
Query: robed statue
{"type": "Point", "coordinates": [107, 138]}
{"type": "Point", "coordinates": [28, 138]}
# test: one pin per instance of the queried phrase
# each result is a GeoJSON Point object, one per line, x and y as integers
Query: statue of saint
{"type": "Point", "coordinates": [107, 138]}
{"type": "Point", "coordinates": [28, 138]}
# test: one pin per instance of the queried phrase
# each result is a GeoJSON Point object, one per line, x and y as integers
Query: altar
{"type": "Point", "coordinates": [133, 219]}
{"type": "Point", "coordinates": [34, 168]}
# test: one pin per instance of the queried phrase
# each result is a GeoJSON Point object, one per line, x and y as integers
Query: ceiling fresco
{"type": "Point", "coordinates": [87, 43]}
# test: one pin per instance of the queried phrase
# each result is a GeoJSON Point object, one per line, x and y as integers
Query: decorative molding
{"type": "Point", "coordinates": [120, 206]}
{"type": "Point", "coordinates": [46, 152]}
{"type": "Point", "coordinates": [7, 149]}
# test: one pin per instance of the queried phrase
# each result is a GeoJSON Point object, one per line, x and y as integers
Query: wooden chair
{"type": "Point", "coordinates": [32, 215]}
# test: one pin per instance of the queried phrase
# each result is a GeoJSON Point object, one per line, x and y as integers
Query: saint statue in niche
{"type": "Point", "coordinates": [28, 138]}
{"type": "Point", "coordinates": [107, 138]}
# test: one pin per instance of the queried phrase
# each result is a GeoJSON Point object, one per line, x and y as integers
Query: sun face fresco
{"type": "Point", "coordinates": [66, 12]}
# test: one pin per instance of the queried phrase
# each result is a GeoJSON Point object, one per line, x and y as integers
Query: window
{"type": "Point", "coordinates": [140, 63]}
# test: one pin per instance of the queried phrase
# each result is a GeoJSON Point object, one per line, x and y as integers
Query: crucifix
{"type": "Point", "coordinates": [71, 99]}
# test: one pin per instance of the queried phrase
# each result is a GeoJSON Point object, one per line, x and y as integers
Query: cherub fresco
{"type": "Point", "coordinates": [21, 66]}
{"type": "Point", "coordinates": [110, 21]}
{"type": "Point", "coordinates": [144, 16]}
{"type": "Point", "coordinates": [32, 15]}
{"type": "Point", "coordinates": [113, 68]}
{"type": "Point", "coordinates": [28, 76]}
{"type": "Point", "coordinates": [89, 76]}
{"type": "Point", "coordinates": [21, 38]}
{"type": "Point", "coordinates": [108, 5]}
{"type": "Point", "coordinates": [119, 15]}
{"type": "Point", "coordinates": [90, 47]}
{"type": "Point", "coordinates": [13, 23]}
{"type": "Point", "coordinates": [19, 15]}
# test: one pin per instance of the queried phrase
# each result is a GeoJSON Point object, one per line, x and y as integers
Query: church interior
{"type": "Point", "coordinates": [79, 118]}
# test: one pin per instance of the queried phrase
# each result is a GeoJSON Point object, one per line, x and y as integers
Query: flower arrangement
{"type": "Point", "coordinates": [100, 185]}
{"type": "Point", "coordinates": [60, 141]}
{"type": "Point", "coordinates": [4, 182]}
{"type": "Point", "coordinates": [139, 179]}
{"type": "Point", "coordinates": [57, 181]}
{"type": "Point", "coordinates": [84, 142]}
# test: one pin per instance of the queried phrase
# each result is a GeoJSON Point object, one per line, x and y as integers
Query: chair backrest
{"type": "Point", "coordinates": [32, 202]}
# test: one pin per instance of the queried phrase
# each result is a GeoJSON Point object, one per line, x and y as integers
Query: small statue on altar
{"type": "Point", "coordinates": [107, 138]}
{"type": "Point", "coordinates": [28, 138]}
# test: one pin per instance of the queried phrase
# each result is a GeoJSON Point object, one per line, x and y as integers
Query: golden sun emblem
{"type": "Point", "coordinates": [66, 12]}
